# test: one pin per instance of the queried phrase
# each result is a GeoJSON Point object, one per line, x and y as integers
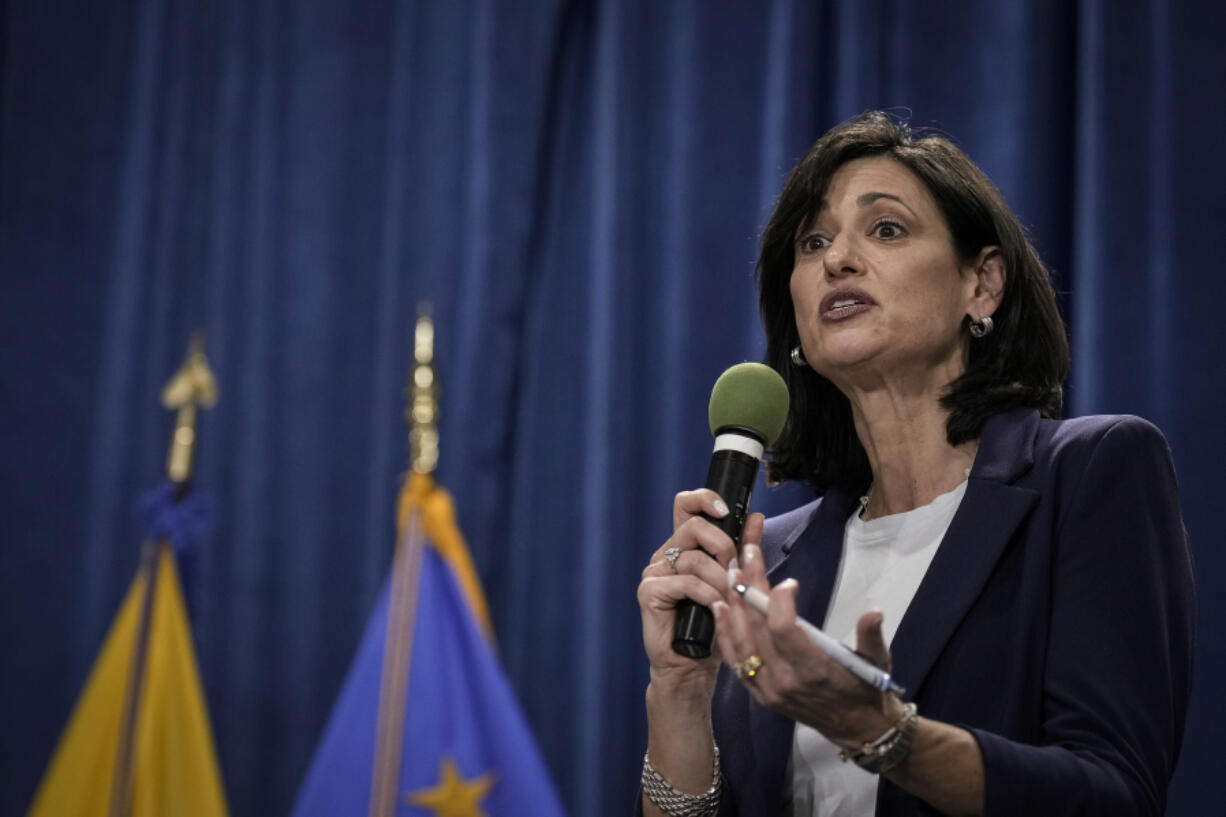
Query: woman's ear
{"type": "Point", "coordinates": [989, 290]}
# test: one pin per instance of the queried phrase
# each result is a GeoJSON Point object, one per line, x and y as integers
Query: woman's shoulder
{"type": "Point", "coordinates": [1084, 435]}
{"type": "Point", "coordinates": [1101, 451]}
{"type": "Point", "coordinates": [1018, 447]}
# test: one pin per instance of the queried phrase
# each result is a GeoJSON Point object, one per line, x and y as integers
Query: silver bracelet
{"type": "Point", "coordinates": [886, 752]}
{"type": "Point", "coordinates": [679, 804]}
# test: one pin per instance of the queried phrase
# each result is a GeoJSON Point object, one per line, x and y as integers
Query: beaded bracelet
{"type": "Point", "coordinates": [679, 804]}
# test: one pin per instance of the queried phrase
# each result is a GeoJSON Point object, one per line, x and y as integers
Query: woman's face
{"type": "Point", "coordinates": [877, 287]}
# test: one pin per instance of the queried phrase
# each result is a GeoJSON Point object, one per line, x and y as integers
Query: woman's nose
{"type": "Point", "coordinates": [840, 258]}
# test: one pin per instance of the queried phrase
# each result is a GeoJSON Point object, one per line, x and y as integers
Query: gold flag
{"type": "Point", "coordinates": [171, 766]}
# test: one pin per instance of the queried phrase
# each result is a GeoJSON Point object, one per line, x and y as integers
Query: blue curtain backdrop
{"type": "Point", "coordinates": [577, 187]}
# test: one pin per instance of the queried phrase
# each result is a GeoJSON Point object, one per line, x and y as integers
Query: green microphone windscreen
{"type": "Point", "coordinates": [752, 396]}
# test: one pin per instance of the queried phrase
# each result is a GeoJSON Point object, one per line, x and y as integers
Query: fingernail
{"type": "Point", "coordinates": [789, 583]}
{"type": "Point", "coordinates": [721, 508]}
{"type": "Point", "coordinates": [717, 609]}
{"type": "Point", "coordinates": [749, 552]}
{"type": "Point", "coordinates": [732, 569]}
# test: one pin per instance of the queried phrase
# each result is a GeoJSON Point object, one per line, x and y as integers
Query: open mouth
{"type": "Point", "coordinates": [844, 303]}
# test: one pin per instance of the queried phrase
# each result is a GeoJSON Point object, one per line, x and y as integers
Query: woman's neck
{"type": "Point", "coordinates": [904, 436]}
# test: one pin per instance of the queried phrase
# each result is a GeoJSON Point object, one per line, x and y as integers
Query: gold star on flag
{"type": "Point", "coordinates": [453, 796]}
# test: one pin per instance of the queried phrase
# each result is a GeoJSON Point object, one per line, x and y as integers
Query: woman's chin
{"type": "Point", "coordinates": [846, 359]}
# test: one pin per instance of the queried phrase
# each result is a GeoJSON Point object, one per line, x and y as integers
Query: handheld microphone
{"type": "Point", "coordinates": [749, 405]}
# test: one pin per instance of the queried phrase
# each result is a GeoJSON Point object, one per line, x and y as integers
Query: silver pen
{"type": "Point", "coordinates": [840, 652]}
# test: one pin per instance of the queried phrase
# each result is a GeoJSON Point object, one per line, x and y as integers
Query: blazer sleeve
{"type": "Point", "coordinates": [1119, 653]}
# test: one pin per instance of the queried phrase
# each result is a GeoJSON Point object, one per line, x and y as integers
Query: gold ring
{"type": "Point", "coordinates": [748, 668]}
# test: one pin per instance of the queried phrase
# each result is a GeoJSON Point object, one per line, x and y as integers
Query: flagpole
{"type": "Point", "coordinates": [421, 413]}
{"type": "Point", "coordinates": [191, 387]}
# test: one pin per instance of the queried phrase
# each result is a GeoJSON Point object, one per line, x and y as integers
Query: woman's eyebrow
{"type": "Point", "coordinates": [868, 198]}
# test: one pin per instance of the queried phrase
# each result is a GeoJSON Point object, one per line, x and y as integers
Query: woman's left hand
{"type": "Point", "coordinates": [796, 678]}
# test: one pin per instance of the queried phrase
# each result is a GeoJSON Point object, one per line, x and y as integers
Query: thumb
{"type": "Point", "coordinates": [870, 641]}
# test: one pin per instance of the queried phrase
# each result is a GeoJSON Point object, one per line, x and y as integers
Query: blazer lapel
{"type": "Point", "coordinates": [813, 560]}
{"type": "Point", "coordinates": [990, 512]}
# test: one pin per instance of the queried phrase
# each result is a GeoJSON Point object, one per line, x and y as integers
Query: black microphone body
{"type": "Point", "coordinates": [732, 475]}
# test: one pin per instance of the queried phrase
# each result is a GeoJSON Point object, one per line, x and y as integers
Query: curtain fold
{"type": "Point", "coordinates": [577, 189]}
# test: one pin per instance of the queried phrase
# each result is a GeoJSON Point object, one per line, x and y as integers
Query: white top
{"type": "Point", "coordinates": [883, 562]}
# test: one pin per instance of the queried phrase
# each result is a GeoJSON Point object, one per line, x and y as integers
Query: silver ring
{"type": "Point", "coordinates": [671, 555]}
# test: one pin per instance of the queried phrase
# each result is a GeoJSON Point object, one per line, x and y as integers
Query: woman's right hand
{"type": "Point", "coordinates": [679, 731]}
{"type": "Point", "coordinates": [696, 576]}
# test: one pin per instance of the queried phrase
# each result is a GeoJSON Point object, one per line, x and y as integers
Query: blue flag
{"type": "Point", "coordinates": [426, 723]}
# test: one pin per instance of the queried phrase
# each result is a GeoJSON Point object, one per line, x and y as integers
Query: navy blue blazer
{"type": "Point", "coordinates": [1055, 623]}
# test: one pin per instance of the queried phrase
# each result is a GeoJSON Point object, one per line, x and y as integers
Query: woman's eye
{"type": "Point", "coordinates": [888, 230]}
{"type": "Point", "coordinates": [811, 243]}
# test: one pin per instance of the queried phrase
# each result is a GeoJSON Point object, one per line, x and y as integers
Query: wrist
{"type": "Point", "coordinates": [889, 749]}
{"type": "Point", "coordinates": [870, 723]}
{"type": "Point", "coordinates": [670, 701]}
{"type": "Point", "coordinates": [694, 680]}
{"type": "Point", "coordinates": [679, 727]}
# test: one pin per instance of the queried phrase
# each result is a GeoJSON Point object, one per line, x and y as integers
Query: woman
{"type": "Point", "coordinates": [1026, 579]}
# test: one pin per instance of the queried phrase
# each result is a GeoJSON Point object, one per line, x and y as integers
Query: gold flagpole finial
{"type": "Point", "coordinates": [192, 386]}
{"type": "Point", "coordinates": [421, 393]}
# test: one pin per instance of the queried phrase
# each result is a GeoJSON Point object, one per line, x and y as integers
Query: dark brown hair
{"type": "Point", "coordinates": [1023, 362]}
